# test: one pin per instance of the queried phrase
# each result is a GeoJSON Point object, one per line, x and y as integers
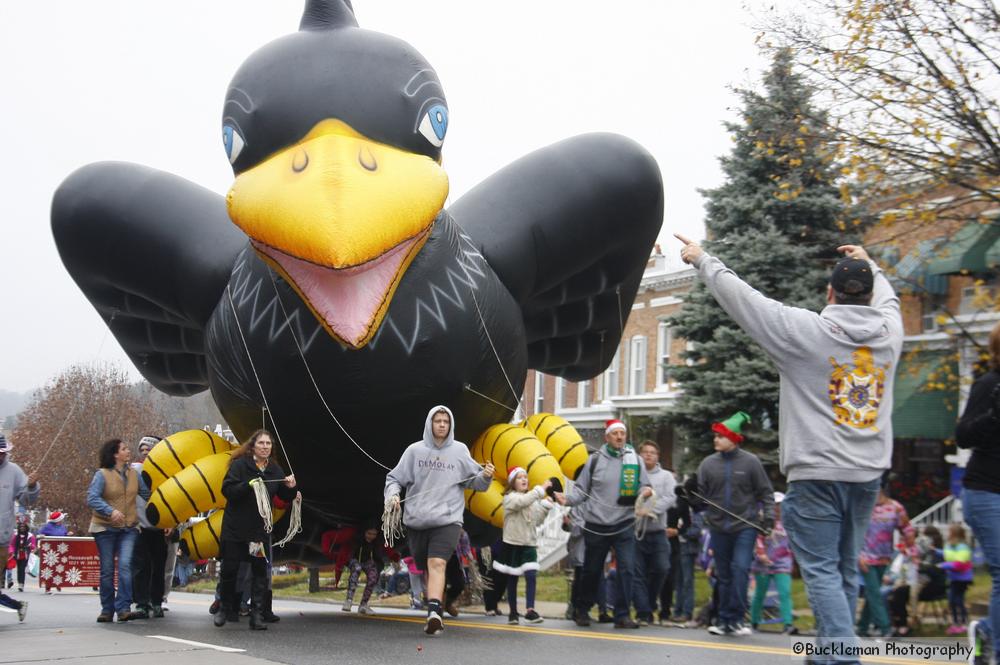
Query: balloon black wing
{"type": "Point", "coordinates": [569, 229]}
{"type": "Point", "coordinates": [153, 254]}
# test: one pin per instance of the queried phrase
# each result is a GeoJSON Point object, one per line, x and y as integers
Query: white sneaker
{"type": "Point", "coordinates": [435, 624]}
{"type": "Point", "coordinates": [22, 611]}
{"type": "Point", "coordinates": [717, 630]}
{"type": "Point", "coordinates": [346, 607]}
{"type": "Point", "coordinates": [742, 630]}
{"type": "Point", "coordinates": [363, 608]}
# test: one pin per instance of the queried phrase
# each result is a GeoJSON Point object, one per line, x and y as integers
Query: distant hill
{"type": "Point", "coordinates": [11, 402]}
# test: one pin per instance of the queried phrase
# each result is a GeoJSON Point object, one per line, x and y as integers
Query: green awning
{"type": "Point", "coordinates": [910, 274]}
{"type": "Point", "coordinates": [972, 249]}
{"type": "Point", "coordinates": [925, 396]}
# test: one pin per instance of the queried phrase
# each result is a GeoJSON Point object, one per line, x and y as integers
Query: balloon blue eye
{"type": "Point", "coordinates": [233, 142]}
{"type": "Point", "coordinates": [434, 125]}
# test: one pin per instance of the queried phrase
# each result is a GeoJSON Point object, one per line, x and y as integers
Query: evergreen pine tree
{"type": "Point", "coordinates": [775, 221]}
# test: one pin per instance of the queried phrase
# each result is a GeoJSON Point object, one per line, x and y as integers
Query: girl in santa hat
{"type": "Point", "coordinates": [523, 511]}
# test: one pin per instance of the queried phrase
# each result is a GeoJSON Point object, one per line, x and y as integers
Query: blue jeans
{"type": "Point", "coordinates": [652, 564]}
{"type": "Point", "coordinates": [621, 537]}
{"type": "Point", "coordinates": [826, 522]}
{"type": "Point", "coordinates": [982, 512]}
{"type": "Point", "coordinates": [684, 603]}
{"type": "Point", "coordinates": [115, 543]}
{"type": "Point", "coordinates": [733, 556]}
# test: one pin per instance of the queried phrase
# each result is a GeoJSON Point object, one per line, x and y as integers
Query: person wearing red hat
{"type": "Point", "coordinates": [606, 490]}
{"type": "Point", "coordinates": [55, 526]}
{"type": "Point", "coordinates": [15, 485]}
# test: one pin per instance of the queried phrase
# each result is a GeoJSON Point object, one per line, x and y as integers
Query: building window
{"type": "Point", "coordinates": [539, 392]}
{"type": "Point", "coordinates": [610, 382]}
{"type": "Point", "coordinates": [560, 394]}
{"type": "Point", "coordinates": [663, 339]}
{"type": "Point", "coordinates": [637, 371]}
{"type": "Point", "coordinates": [583, 397]}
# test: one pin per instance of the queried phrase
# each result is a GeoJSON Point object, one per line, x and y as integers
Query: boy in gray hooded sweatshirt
{"type": "Point", "coordinates": [435, 472]}
{"type": "Point", "coordinates": [835, 428]}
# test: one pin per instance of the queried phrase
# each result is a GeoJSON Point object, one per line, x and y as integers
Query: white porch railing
{"type": "Point", "coordinates": [942, 513]}
{"type": "Point", "coordinates": [552, 539]}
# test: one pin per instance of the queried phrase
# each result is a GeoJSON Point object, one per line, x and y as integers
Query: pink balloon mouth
{"type": "Point", "coordinates": [350, 301]}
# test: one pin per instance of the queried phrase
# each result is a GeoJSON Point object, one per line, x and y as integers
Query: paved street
{"type": "Point", "coordinates": [61, 628]}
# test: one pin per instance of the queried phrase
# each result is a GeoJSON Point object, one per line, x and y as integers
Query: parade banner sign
{"type": "Point", "coordinates": [68, 561]}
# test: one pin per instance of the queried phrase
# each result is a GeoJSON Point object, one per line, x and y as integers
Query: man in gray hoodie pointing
{"type": "Point", "coordinates": [835, 427]}
{"type": "Point", "coordinates": [435, 472]}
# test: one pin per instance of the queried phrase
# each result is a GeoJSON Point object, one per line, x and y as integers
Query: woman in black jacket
{"type": "Point", "coordinates": [244, 536]}
{"type": "Point", "coordinates": [979, 429]}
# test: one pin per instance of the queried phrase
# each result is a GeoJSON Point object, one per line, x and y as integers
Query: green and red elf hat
{"type": "Point", "coordinates": [732, 426]}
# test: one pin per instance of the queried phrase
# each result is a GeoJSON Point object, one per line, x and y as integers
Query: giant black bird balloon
{"type": "Point", "coordinates": [330, 295]}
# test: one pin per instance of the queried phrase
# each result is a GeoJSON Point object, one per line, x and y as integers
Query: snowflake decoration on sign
{"type": "Point", "coordinates": [46, 574]}
{"type": "Point", "coordinates": [74, 576]}
{"type": "Point", "coordinates": [63, 548]}
{"type": "Point", "coordinates": [60, 568]}
{"type": "Point", "coordinates": [57, 580]}
{"type": "Point", "coordinates": [50, 558]}
{"type": "Point", "coordinates": [45, 547]}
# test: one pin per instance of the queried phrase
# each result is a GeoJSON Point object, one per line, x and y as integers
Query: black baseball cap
{"type": "Point", "coordinates": [852, 277]}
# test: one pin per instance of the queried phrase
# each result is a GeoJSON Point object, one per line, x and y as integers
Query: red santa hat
{"type": "Point", "coordinates": [55, 516]}
{"type": "Point", "coordinates": [613, 424]}
{"type": "Point", "coordinates": [512, 473]}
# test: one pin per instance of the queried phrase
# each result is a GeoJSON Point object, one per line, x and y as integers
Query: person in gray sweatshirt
{"type": "Point", "coordinates": [607, 489]}
{"type": "Point", "coordinates": [837, 370]}
{"type": "Point", "coordinates": [435, 472]}
{"type": "Point", "coordinates": [652, 561]}
{"type": "Point", "coordinates": [15, 485]}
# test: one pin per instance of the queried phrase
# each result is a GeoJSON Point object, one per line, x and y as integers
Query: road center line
{"type": "Point", "coordinates": [196, 644]}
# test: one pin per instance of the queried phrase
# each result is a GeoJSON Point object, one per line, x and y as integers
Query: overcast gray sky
{"type": "Point", "coordinates": [144, 82]}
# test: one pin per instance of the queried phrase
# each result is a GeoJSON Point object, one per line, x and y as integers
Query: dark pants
{"type": "Point", "coordinates": [530, 581]}
{"type": "Point", "coordinates": [956, 600]}
{"type": "Point", "coordinates": [496, 588]}
{"type": "Point", "coordinates": [149, 559]}
{"type": "Point", "coordinates": [233, 554]}
{"type": "Point", "coordinates": [652, 565]}
{"type": "Point", "coordinates": [454, 579]}
{"type": "Point", "coordinates": [621, 537]}
{"type": "Point", "coordinates": [671, 585]}
{"type": "Point", "coordinates": [22, 565]}
{"type": "Point", "coordinates": [733, 556]}
{"type": "Point", "coordinates": [899, 613]}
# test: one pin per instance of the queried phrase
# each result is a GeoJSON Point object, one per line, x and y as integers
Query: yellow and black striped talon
{"type": "Point", "coordinates": [197, 488]}
{"type": "Point", "coordinates": [561, 439]}
{"type": "Point", "coordinates": [178, 451]}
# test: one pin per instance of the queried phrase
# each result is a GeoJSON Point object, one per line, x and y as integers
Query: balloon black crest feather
{"type": "Point", "coordinates": [328, 15]}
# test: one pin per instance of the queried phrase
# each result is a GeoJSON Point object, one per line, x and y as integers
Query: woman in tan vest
{"type": "Point", "coordinates": [114, 525]}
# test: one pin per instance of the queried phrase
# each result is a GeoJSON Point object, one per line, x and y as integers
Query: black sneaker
{"type": "Point", "coordinates": [513, 619]}
{"type": "Point", "coordinates": [581, 619]}
{"type": "Point", "coordinates": [140, 613]}
{"type": "Point", "coordinates": [604, 617]}
{"type": "Point", "coordinates": [213, 608]}
{"type": "Point", "coordinates": [531, 616]}
{"type": "Point", "coordinates": [435, 624]}
{"type": "Point", "coordinates": [626, 623]}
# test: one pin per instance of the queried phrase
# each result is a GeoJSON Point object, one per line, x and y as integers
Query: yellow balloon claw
{"type": "Point", "coordinates": [195, 489]}
{"type": "Point", "coordinates": [202, 539]}
{"type": "Point", "coordinates": [509, 445]}
{"type": "Point", "coordinates": [487, 505]}
{"type": "Point", "coordinates": [178, 451]}
{"type": "Point", "coordinates": [561, 439]}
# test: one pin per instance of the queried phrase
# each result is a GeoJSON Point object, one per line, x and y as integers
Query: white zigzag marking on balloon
{"type": "Point", "coordinates": [451, 292]}
{"type": "Point", "coordinates": [243, 293]}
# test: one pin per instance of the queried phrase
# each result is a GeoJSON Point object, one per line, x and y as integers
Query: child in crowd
{"type": "Point", "coordinates": [369, 555]}
{"type": "Point", "coordinates": [899, 583]}
{"type": "Point", "coordinates": [22, 544]}
{"type": "Point", "coordinates": [958, 564]}
{"type": "Point", "coordinates": [774, 561]}
{"type": "Point", "coordinates": [523, 511]}
{"type": "Point", "coordinates": [416, 583]}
